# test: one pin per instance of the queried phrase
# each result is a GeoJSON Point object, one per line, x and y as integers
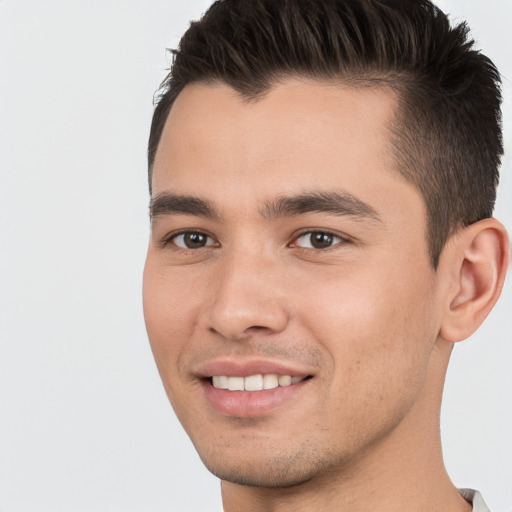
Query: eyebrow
{"type": "Point", "coordinates": [336, 203]}
{"type": "Point", "coordinates": [168, 203]}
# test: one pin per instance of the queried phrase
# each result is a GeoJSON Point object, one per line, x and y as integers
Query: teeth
{"type": "Point", "coordinates": [270, 381]}
{"type": "Point", "coordinates": [220, 382]}
{"type": "Point", "coordinates": [253, 382]}
{"type": "Point", "coordinates": [285, 380]}
{"type": "Point", "coordinates": [236, 383]}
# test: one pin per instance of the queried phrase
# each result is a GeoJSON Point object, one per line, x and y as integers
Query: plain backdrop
{"type": "Point", "coordinates": [84, 422]}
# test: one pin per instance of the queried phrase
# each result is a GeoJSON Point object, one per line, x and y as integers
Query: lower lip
{"type": "Point", "coordinates": [246, 404]}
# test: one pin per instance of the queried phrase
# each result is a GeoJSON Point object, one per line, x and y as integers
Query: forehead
{"type": "Point", "coordinates": [298, 136]}
{"type": "Point", "coordinates": [292, 118]}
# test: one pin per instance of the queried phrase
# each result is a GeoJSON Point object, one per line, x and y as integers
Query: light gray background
{"type": "Point", "coordinates": [84, 423]}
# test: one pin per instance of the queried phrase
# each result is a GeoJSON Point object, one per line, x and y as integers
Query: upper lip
{"type": "Point", "coordinates": [245, 368]}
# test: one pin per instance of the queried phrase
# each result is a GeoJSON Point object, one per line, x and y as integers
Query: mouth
{"type": "Point", "coordinates": [257, 382]}
{"type": "Point", "coordinates": [251, 389]}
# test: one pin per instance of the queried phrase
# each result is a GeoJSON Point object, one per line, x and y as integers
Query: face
{"type": "Point", "coordinates": [288, 294]}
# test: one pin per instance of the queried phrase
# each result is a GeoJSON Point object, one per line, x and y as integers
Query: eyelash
{"type": "Point", "coordinates": [340, 240]}
{"type": "Point", "coordinates": [170, 239]}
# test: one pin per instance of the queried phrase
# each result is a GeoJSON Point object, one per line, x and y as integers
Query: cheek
{"type": "Point", "coordinates": [167, 317]}
{"type": "Point", "coordinates": [374, 329]}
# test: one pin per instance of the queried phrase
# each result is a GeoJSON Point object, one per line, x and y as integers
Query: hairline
{"type": "Point", "coordinates": [391, 82]}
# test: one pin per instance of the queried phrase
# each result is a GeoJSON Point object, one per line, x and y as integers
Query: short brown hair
{"type": "Point", "coordinates": [447, 132]}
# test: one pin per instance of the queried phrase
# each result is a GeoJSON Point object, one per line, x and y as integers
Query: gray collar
{"type": "Point", "coordinates": [475, 498]}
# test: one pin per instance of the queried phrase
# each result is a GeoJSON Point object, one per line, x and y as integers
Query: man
{"type": "Point", "coordinates": [322, 177]}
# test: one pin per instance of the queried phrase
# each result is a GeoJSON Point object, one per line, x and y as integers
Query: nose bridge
{"type": "Point", "coordinates": [246, 296]}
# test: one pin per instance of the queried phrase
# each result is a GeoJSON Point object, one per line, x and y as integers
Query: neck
{"type": "Point", "coordinates": [402, 471]}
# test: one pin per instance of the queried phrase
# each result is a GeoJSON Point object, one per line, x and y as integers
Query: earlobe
{"type": "Point", "coordinates": [479, 263]}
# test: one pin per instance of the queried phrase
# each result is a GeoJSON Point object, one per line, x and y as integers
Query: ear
{"type": "Point", "coordinates": [477, 262]}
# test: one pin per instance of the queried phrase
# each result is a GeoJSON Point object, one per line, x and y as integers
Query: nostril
{"type": "Point", "coordinates": [241, 335]}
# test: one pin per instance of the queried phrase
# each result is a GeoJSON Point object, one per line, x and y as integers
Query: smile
{"type": "Point", "coordinates": [258, 382]}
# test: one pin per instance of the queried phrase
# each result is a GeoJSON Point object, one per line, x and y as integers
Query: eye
{"type": "Point", "coordinates": [317, 240]}
{"type": "Point", "coordinates": [192, 240]}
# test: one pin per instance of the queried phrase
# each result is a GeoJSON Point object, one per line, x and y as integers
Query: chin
{"type": "Point", "coordinates": [279, 469]}
{"type": "Point", "coordinates": [277, 478]}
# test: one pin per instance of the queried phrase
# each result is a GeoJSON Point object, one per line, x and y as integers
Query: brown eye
{"type": "Point", "coordinates": [317, 240]}
{"type": "Point", "coordinates": [192, 240]}
{"type": "Point", "coordinates": [321, 240]}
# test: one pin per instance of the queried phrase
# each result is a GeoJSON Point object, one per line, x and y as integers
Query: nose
{"type": "Point", "coordinates": [247, 298]}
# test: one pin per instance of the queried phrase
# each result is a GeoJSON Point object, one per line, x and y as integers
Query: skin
{"type": "Point", "coordinates": [367, 316]}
